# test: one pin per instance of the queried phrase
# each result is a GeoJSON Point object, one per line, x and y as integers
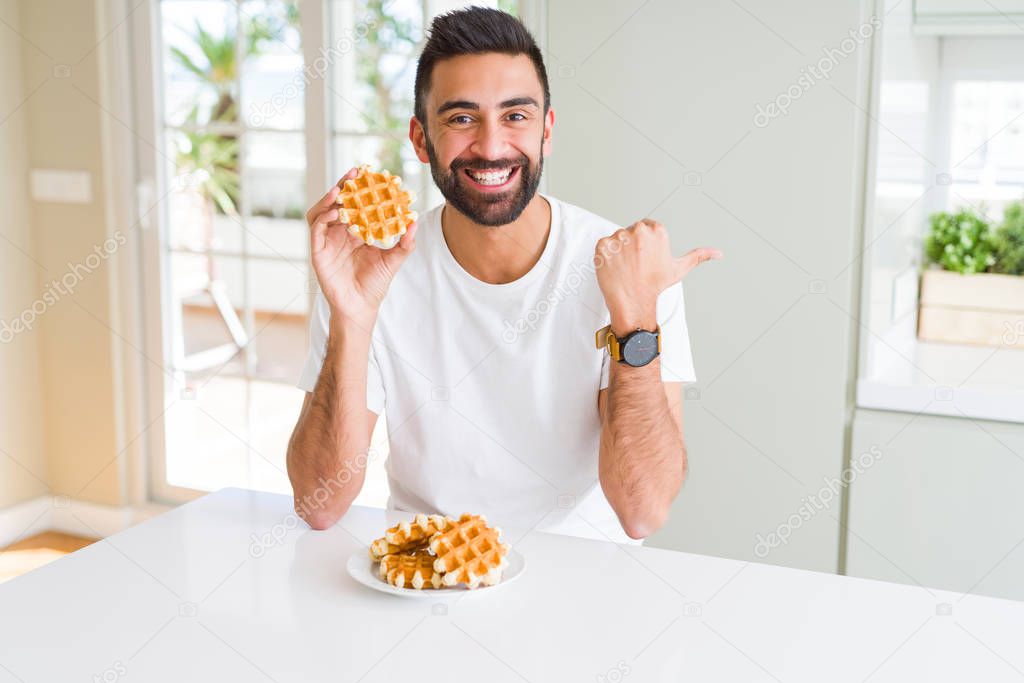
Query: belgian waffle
{"type": "Point", "coordinates": [410, 570]}
{"type": "Point", "coordinates": [409, 536]}
{"type": "Point", "coordinates": [376, 207]}
{"type": "Point", "coordinates": [469, 552]}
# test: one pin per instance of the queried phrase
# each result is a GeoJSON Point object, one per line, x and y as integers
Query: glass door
{"type": "Point", "coordinates": [255, 107]}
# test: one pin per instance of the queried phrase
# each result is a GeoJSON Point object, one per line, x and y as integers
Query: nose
{"type": "Point", "coordinates": [490, 141]}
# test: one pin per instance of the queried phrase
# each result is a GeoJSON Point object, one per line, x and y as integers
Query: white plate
{"type": "Point", "coordinates": [364, 570]}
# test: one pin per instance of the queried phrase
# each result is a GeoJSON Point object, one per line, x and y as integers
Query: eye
{"type": "Point", "coordinates": [522, 117]}
{"type": "Point", "coordinates": [461, 118]}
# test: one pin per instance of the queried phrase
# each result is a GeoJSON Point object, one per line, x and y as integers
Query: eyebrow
{"type": "Point", "coordinates": [466, 104]}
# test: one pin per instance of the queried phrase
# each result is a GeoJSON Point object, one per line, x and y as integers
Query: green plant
{"type": "Point", "coordinates": [1009, 241]}
{"type": "Point", "coordinates": [218, 66]}
{"type": "Point", "coordinates": [212, 161]}
{"type": "Point", "coordinates": [212, 158]}
{"type": "Point", "coordinates": [387, 38]}
{"type": "Point", "coordinates": [960, 242]}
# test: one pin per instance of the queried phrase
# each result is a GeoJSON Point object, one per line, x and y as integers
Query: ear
{"type": "Point", "coordinates": [418, 138]}
{"type": "Point", "coordinates": [549, 124]}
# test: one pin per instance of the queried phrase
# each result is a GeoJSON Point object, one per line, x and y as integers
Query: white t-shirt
{"type": "Point", "coordinates": [491, 390]}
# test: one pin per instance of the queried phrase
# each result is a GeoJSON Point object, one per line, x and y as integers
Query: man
{"type": "Point", "coordinates": [477, 331]}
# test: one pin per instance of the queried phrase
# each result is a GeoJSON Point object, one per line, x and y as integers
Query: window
{"type": "Point", "coordinates": [949, 135]}
{"type": "Point", "coordinates": [987, 143]}
{"type": "Point", "coordinates": [241, 154]}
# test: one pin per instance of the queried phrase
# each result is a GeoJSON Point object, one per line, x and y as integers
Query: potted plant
{"type": "Point", "coordinates": [1009, 241]}
{"type": "Point", "coordinates": [972, 291]}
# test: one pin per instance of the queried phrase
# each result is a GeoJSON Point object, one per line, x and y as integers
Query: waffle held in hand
{"type": "Point", "coordinates": [376, 207]}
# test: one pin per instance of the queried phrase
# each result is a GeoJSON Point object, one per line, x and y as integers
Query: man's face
{"type": "Point", "coordinates": [486, 135]}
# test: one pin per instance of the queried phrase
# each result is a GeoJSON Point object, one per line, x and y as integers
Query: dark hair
{"type": "Point", "coordinates": [471, 31]}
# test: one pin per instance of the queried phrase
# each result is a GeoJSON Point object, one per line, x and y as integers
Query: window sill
{"type": "Point", "coordinates": [976, 382]}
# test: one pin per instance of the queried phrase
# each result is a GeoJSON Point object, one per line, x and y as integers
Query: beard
{"type": "Point", "coordinates": [493, 208]}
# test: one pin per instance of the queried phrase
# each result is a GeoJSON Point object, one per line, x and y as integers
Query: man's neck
{"type": "Point", "coordinates": [498, 254]}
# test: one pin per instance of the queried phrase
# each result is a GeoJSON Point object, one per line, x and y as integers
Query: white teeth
{"type": "Point", "coordinates": [491, 177]}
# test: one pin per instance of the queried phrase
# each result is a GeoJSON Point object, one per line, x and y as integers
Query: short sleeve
{"type": "Point", "coordinates": [676, 357]}
{"type": "Point", "coordinates": [319, 323]}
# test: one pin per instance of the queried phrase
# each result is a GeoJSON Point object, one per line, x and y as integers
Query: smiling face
{"type": "Point", "coordinates": [486, 134]}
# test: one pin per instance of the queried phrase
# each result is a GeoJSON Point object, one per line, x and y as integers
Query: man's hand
{"type": "Point", "coordinates": [353, 276]}
{"type": "Point", "coordinates": [634, 265]}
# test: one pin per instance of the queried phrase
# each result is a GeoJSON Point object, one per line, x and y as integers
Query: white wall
{"type": "Point", "coordinates": [22, 453]}
{"type": "Point", "coordinates": [62, 127]}
{"type": "Point", "coordinates": [647, 93]}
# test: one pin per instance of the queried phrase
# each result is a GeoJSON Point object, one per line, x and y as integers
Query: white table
{"type": "Point", "coordinates": [183, 597]}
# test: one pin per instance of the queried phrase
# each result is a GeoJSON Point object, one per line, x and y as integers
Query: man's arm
{"type": "Point", "coordinates": [642, 461]}
{"type": "Point", "coordinates": [328, 451]}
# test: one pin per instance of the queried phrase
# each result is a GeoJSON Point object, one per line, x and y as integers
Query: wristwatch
{"type": "Point", "coordinates": [638, 348]}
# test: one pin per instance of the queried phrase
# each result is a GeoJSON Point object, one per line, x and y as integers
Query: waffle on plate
{"type": "Point", "coordinates": [435, 551]}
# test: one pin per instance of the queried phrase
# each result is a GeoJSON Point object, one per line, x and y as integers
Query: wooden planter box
{"type": "Point", "coordinates": [984, 309]}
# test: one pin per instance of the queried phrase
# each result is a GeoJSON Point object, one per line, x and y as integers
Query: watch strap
{"type": "Point", "coordinates": [605, 338]}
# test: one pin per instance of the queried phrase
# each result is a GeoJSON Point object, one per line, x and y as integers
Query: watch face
{"type": "Point", "coordinates": [640, 349]}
